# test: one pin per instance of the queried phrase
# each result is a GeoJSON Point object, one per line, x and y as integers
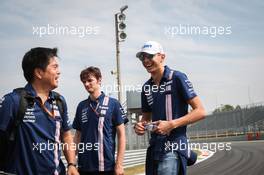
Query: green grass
{"type": "Point", "coordinates": [198, 152]}
{"type": "Point", "coordinates": [135, 170]}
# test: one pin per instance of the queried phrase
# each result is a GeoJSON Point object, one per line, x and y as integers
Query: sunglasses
{"type": "Point", "coordinates": [146, 55]}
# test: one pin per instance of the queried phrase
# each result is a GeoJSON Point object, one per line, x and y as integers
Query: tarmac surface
{"type": "Point", "coordinates": [245, 158]}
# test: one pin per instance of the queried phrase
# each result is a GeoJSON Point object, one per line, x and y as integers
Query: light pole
{"type": "Point", "coordinates": [120, 37]}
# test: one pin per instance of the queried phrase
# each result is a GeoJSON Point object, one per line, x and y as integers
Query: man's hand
{"type": "Point", "coordinates": [119, 170]}
{"type": "Point", "coordinates": [163, 127]}
{"type": "Point", "coordinates": [72, 170]}
{"type": "Point", "coordinates": [139, 128]}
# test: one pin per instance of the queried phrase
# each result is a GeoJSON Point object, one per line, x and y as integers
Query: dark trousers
{"type": "Point", "coordinates": [151, 164]}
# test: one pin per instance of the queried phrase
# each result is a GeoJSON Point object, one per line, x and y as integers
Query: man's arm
{"type": "Point", "coordinates": [139, 127]}
{"type": "Point", "coordinates": [198, 113]}
{"type": "Point", "coordinates": [121, 149]}
{"type": "Point", "coordinates": [69, 152]}
{"type": "Point", "coordinates": [77, 139]}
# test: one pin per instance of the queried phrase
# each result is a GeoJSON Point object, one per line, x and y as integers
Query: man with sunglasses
{"type": "Point", "coordinates": [165, 98]}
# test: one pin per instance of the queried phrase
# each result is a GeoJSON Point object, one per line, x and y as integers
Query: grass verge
{"type": "Point", "coordinates": [135, 170]}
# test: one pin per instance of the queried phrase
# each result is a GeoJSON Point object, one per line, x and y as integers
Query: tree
{"type": "Point", "coordinates": [224, 108]}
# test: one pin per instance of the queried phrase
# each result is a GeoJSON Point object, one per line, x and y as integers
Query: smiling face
{"type": "Point", "coordinates": [152, 63]}
{"type": "Point", "coordinates": [50, 76]}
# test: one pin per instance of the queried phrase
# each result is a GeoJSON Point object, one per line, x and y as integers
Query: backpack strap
{"type": "Point", "coordinates": [25, 100]}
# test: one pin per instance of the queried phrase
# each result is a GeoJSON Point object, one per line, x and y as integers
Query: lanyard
{"type": "Point", "coordinates": [102, 105]}
{"type": "Point", "coordinates": [42, 105]}
{"type": "Point", "coordinates": [95, 109]}
{"type": "Point", "coordinates": [51, 113]}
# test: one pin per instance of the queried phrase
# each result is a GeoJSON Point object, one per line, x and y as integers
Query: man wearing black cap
{"type": "Point", "coordinates": [165, 98]}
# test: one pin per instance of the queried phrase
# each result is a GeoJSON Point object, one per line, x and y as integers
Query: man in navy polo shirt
{"type": "Point", "coordinates": [98, 119]}
{"type": "Point", "coordinates": [38, 138]}
{"type": "Point", "coordinates": [165, 98]}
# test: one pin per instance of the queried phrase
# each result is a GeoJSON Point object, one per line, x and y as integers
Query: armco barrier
{"type": "Point", "coordinates": [131, 158]}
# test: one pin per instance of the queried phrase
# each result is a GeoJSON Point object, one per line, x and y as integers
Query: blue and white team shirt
{"type": "Point", "coordinates": [37, 150]}
{"type": "Point", "coordinates": [167, 102]}
{"type": "Point", "coordinates": [97, 122]}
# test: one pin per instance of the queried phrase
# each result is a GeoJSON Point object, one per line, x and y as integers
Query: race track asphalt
{"type": "Point", "coordinates": [245, 158]}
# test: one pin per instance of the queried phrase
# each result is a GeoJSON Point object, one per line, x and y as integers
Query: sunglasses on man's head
{"type": "Point", "coordinates": [146, 55]}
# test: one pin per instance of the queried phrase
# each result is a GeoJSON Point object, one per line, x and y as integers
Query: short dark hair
{"type": "Point", "coordinates": [38, 57]}
{"type": "Point", "coordinates": [94, 71]}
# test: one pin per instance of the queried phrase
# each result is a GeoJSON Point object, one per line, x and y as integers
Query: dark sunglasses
{"type": "Point", "coordinates": [146, 55]}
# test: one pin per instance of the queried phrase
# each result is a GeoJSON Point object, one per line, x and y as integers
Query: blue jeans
{"type": "Point", "coordinates": [169, 165]}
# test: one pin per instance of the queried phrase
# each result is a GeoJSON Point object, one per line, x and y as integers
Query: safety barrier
{"type": "Point", "coordinates": [131, 158]}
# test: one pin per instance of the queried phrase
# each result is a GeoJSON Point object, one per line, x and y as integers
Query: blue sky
{"type": "Point", "coordinates": [226, 69]}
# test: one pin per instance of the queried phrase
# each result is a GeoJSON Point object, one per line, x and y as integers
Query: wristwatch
{"type": "Point", "coordinates": [71, 164]}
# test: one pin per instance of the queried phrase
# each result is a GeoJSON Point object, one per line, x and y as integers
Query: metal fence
{"type": "Point", "coordinates": [249, 119]}
{"type": "Point", "coordinates": [132, 158]}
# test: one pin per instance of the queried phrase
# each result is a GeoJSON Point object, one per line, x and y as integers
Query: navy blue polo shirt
{"type": "Point", "coordinates": [168, 101]}
{"type": "Point", "coordinates": [97, 122]}
{"type": "Point", "coordinates": [37, 150]}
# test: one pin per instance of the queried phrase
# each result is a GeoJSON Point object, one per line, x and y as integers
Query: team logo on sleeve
{"type": "Point", "coordinates": [123, 115]}
{"type": "Point", "coordinates": [190, 86]}
{"type": "Point", "coordinates": [122, 111]}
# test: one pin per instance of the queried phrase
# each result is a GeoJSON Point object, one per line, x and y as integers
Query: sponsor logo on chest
{"type": "Point", "coordinates": [29, 116]}
{"type": "Point", "coordinates": [84, 116]}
